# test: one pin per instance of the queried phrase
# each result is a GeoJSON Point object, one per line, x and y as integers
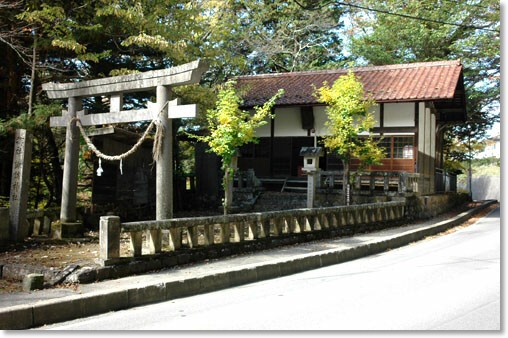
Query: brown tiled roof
{"type": "Point", "coordinates": [425, 81]}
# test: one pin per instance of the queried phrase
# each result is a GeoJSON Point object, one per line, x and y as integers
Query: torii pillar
{"type": "Point", "coordinates": [71, 165]}
{"type": "Point", "coordinates": [161, 81]}
{"type": "Point", "coordinates": [164, 173]}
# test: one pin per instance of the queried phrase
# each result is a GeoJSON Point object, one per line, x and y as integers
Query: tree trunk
{"type": "Point", "coordinates": [228, 190]}
{"type": "Point", "coordinates": [346, 190]}
{"type": "Point", "coordinates": [229, 174]}
{"type": "Point", "coordinates": [55, 165]}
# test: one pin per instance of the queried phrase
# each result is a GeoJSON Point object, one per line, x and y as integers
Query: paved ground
{"type": "Point", "coordinates": [21, 310]}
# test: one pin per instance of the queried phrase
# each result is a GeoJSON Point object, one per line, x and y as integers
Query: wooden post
{"type": "Point", "coordinates": [386, 183]}
{"type": "Point", "coordinates": [372, 182]}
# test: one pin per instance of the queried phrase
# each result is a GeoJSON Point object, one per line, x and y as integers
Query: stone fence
{"type": "Point", "coordinates": [39, 222]}
{"type": "Point", "coordinates": [237, 228]}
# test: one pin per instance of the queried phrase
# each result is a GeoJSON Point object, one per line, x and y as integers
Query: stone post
{"type": "Point", "coordinates": [71, 161]}
{"type": "Point", "coordinates": [311, 188]}
{"type": "Point", "coordinates": [164, 173]}
{"type": "Point", "coordinates": [109, 237]}
{"type": "Point", "coordinates": [33, 281]}
{"type": "Point", "coordinates": [18, 225]}
{"type": "Point", "coordinates": [311, 157]}
{"type": "Point", "coordinates": [136, 243]}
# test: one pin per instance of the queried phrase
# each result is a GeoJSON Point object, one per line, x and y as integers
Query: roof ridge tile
{"type": "Point", "coordinates": [443, 63]}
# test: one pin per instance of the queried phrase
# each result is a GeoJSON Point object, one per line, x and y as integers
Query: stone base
{"type": "Point", "coordinates": [33, 281]}
{"type": "Point", "coordinates": [68, 230]}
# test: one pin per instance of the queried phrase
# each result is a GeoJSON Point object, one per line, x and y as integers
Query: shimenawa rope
{"type": "Point", "coordinates": [157, 144]}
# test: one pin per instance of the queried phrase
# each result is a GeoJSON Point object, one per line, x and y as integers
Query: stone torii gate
{"type": "Point", "coordinates": [115, 87]}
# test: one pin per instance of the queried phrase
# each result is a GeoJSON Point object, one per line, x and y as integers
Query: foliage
{"type": "Point", "coordinates": [268, 36]}
{"type": "Point", "coordinates": [89, 39]}
{"type": "Point", "coordinates": [231, 127]}
{"type": "Point", "coordinates": [458, 151]}
{"type": "Point", "coordinates": [479, 167]}
{"type": "Point", "coordinates": [348, 118]}
{"type": "Point", "coordinates": [487, 162]}
{"type": "Point", "coordinates": [45, 166]}
{"type": "Point", "coordinates": [40, 116]}
{"type": "Point", "coordinates": [347, 109]}
{"type": "Point", "coordinates": [397, 31]}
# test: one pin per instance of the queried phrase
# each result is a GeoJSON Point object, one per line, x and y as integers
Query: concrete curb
{"type": "Point", "coordinates": [94, 303]}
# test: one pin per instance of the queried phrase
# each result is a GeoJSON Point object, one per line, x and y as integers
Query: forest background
{"type": "Point", "coordinates": [65, 41]}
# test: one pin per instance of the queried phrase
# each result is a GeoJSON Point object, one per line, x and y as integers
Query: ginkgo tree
{"type": "Point", "coordinates": [349, 122]}
{"type": "Point", "coordinates": [230, 127]}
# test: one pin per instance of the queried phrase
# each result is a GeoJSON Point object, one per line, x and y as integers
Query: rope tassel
{"type": "Point", "coordinates": [99, 170]}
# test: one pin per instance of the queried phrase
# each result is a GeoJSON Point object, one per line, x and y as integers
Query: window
{"type": "Point", "coordinates": [386, 144]}
{"type": "Point", "coordinates": [397, 146]}
{"type": "Point", "coordinates": [403, 147]}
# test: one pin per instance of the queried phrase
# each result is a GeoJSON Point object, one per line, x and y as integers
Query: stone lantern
{"type": "Point", "coordinates": [311, 157]}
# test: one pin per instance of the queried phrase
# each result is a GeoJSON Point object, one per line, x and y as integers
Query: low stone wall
{"type": "Point", "coordinates": [239, 228]}
{"type": "Point", "coordinates": [423, 207]}
{"type": "Point", "coordinates": [39, 222]}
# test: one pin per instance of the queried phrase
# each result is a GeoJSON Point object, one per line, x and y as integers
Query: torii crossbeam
{"type": "Point", "coordinates": [159, 80]}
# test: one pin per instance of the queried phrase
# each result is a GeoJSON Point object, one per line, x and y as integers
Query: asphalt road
{"type": "Point", "coordinates": [450, 282]}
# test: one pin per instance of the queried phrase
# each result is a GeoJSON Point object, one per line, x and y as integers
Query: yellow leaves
{"type": "Point", "coordinates": [70, 44]}
{"type": "Point", "coordinates": [123, 71]}
{"type": "Point", "coordinates": [231, 127]}
{"type": "Point", "coordinates": [132, 14]}
{"type": "Point", "coordinates": [153, 41]}
{"type": "Point", "coordinates": [224, 119]}
{"type": "Point", "coordinates": [348, 116]}
{"type": "Point", "coordinates": [45, 15]}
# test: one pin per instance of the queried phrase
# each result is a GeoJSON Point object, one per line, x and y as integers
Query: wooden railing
{"type": "Point", "coordinates": [372, 181]}
{"type": "Point", "coordinates": [445, 181]}
{"type": "Point", "coordinates": [218, 230]}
